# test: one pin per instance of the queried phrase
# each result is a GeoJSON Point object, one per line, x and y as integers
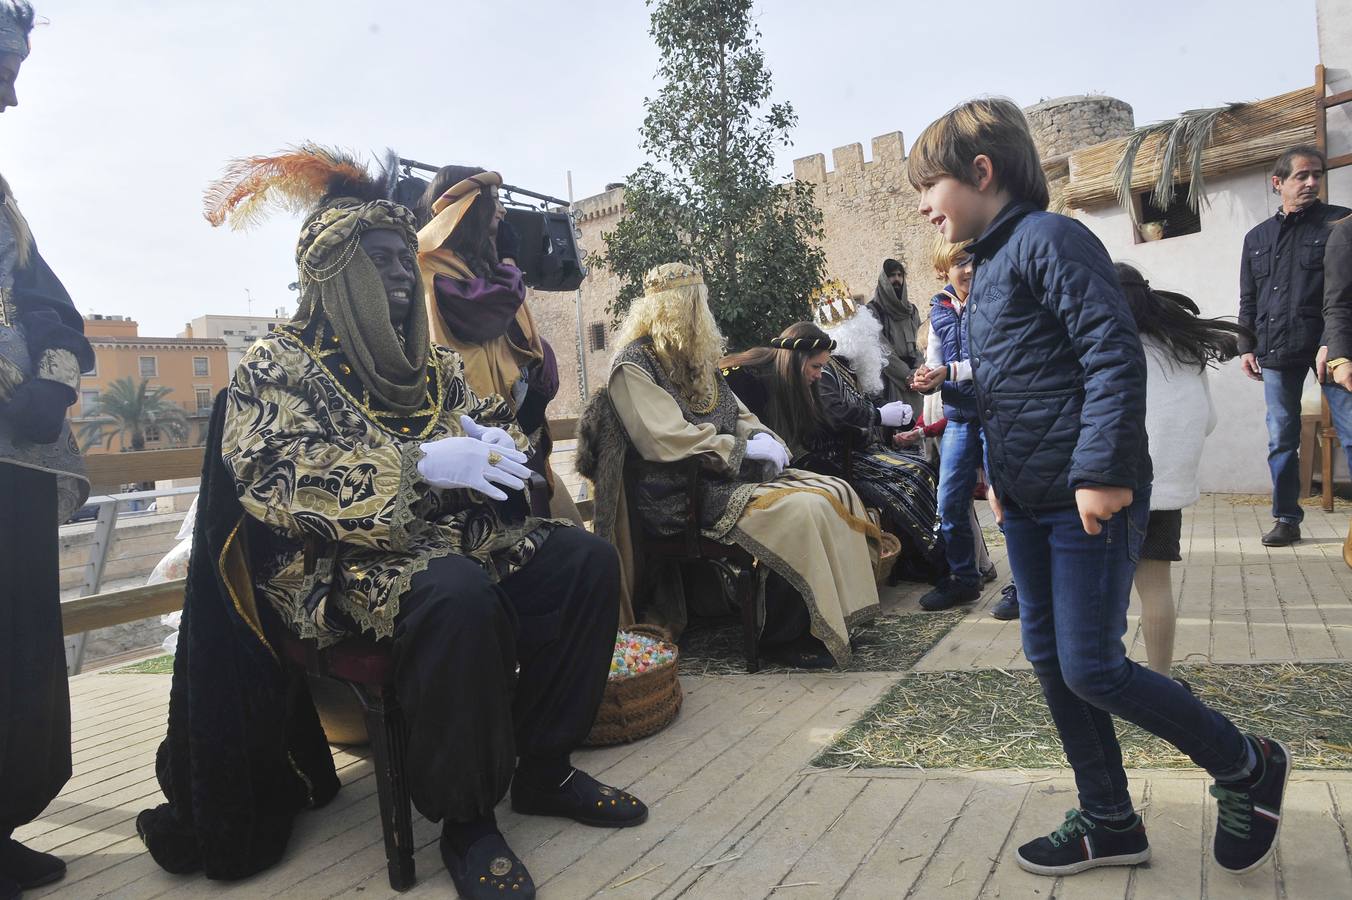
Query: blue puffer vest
{"type": "Point", "coordinates": [949, 326]}
{"type": "Point", "coordinates": [1058, 365]}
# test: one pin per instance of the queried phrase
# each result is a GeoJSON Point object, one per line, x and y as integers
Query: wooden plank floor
{"type": "Point", "coordinates": [736, 812]}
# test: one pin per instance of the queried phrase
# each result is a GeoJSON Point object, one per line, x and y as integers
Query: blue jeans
{"type": "Point", "coordinates": [960, 452]}
{"type": "Point", "coordinates": [1073, 595]}
{"type": "Point", "coordinates": [1281, 390]}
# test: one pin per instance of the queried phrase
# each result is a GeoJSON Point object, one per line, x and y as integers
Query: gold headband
{"type": "Point", "coordinates": [666, 284]}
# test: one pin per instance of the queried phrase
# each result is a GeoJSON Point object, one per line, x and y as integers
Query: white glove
{"type": "Point", "coordinates": [766, 448]}
{"type": "Point", "coordinates": [495, 436]}
{"type": "Point", "coordinates": [896, 414]}
{"type": "Point", "coordinates": [462, 462]}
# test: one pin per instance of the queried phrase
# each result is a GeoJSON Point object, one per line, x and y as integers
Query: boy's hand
{"type": "Point", "coordinates": [927, 381]}
{"type": "Point", "coordinates": [1099, 504]}
{"type": "Point", "coordinates": [1249, 363]}
{"type": "Point", "coordinates": [996, 509]}
{"type": "Point", "coordinates": [908, 438]}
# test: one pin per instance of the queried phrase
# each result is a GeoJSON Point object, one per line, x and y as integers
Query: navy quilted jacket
{"type": "Point", "coordinates": [1058, 365]}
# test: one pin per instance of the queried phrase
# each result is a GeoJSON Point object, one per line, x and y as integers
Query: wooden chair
{"type": "Point", "coordinates": [367, 668]}
{"type": "Point", "coordinates": [690, 545]}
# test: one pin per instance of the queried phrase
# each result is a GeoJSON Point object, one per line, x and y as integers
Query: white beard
{"type": "Point", "coordinates": [860, 340]}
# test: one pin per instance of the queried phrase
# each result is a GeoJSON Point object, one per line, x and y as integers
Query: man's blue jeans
{"type": "Point", "coordinates": [1073, 595]}
{"type": "Point", "coordinates": [1281, 390]}
{"type": "Point", "coordinates": [960, 453]}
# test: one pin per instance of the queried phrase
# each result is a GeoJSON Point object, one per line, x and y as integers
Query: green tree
{"type": "Point", "coordinates": [707, 196]}
{"type": "Point", "coordinates": [126, 409]}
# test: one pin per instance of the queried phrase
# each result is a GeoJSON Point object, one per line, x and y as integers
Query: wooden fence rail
{"type": "Point", "coordinates": [111, 470]}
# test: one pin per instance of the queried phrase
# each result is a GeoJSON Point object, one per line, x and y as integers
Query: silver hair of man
{"type": "Point", "coordinates": [860, 340]}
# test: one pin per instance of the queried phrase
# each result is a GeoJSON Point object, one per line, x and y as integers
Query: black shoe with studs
{"type": "Point", "coordinates": [583, 799]}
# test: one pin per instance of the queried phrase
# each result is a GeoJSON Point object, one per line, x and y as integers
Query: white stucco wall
{"type": "Point", "coordinates": [1205, 266]}
{"type": "Point", "coordinates": [1334, 21]}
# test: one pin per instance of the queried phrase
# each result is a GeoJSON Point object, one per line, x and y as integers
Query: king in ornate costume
{"type": "Point", "coordinates": [374, 487]}
{"type": "Point", "coordinates": [666, 403]}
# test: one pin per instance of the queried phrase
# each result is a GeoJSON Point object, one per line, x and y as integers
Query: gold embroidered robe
{"type": "Point", "coordinates": [337, 484]}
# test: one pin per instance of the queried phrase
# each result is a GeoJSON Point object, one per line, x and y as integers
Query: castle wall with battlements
{"type": "Point", "coordinates": [869, 212]}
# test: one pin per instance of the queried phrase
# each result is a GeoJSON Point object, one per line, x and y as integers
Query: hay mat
{"type": "Point", "coordinates": [993, 719]}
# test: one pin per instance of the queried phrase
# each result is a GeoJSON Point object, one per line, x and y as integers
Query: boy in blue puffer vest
{"type": "Point", "coordinates": [1060, 377]}
{"type": "Point", "coordinates": [948, 369]}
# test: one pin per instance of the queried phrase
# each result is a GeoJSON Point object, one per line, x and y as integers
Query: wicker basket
{"type": "Point", "coordinates": [890, 550]}
{"type": "Point", "coordinates": [640, 705]}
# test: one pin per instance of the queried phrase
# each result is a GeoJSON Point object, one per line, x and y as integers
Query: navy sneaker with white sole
{"type": "Point", "coordinates": [1083, 843]}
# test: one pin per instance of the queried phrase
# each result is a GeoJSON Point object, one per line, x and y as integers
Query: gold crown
{"type": "Point", "coordinates": [831, 303]}
{"type": "Point", "coordinates": [671, 280]}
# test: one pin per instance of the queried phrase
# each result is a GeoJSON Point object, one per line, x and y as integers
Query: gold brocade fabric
{"type": "Point", "coordinates": [335, 479]}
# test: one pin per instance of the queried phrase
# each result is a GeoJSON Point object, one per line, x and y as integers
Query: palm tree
{"type": "Point", "coordinates": [131, 408]}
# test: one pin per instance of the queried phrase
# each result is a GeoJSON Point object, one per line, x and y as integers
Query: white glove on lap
{"type": "Point", "coordinates": [766, 448]}
{"type": "Point", "coordinates": [495, 436]}
{"type": "Point", "coordinates": [462, 462]}
{"type": "Point", "coordinates": [896, 414]}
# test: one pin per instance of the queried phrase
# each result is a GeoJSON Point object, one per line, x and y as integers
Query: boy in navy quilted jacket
{"type": "Point", "coordinates": [1060, 377]}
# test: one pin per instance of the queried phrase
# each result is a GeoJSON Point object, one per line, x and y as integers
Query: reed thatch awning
{"type": "Point", "coordinates": [1252, 134]}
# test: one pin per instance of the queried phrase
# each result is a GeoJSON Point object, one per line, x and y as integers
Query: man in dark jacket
{"type": "Point", "coordinates": [1338, 303]}
{"type": "Point", "coordinates": [1281, 293]}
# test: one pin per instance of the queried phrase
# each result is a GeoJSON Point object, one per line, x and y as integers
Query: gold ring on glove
{"type": "Point", "coordinates": [494, 457]}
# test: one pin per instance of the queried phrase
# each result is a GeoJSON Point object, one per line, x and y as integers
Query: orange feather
{"type": "Point", "coordinates": [295, 181]}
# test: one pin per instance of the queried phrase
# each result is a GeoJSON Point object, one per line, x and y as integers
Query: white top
{"type": "Point", "coordinates": [1179, 415]}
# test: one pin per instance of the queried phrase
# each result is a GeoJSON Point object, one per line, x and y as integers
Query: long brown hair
{"type": "Point", "coordinates": [795, 412]}
{"type": "Point", "coordinates": [472, 240]}
{"type": "Point", "coordinates": [1173, 320]}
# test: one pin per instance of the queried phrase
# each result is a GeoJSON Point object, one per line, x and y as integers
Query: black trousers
{"type": "Point", "coordinates": [458, 642]}
{"type": "Point", "coordinates": [34, 695]}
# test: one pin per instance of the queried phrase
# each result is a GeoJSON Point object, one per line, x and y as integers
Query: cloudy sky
{"type": "Point", "coordinates": [128, 108]}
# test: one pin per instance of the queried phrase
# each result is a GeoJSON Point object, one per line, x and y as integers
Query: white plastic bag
{"type": "Point", "coordinates": [173, 620]}
{"type": "Point", "coordinates": [174, 565]}
{"type": "Point", "coordinates": [185, 530]}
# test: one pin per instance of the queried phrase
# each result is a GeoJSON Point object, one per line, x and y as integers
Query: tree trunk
{"type": "Point", "coordinates": [729, 246]}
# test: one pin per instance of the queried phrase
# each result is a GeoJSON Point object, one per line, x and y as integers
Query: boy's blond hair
{"type": "Point", "coordinates": [993, 126]}
{"type": "Point", "coordinates": [943, 253]}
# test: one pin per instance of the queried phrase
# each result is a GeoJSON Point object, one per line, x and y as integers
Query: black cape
{"type": "Point", "coordinates": [244, 751]}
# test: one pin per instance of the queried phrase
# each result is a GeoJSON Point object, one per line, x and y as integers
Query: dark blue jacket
{"type": "Point", "coordinates": [1281, 286]}
{"type": "Point", "coordinates": [948, 325]}
{"type": "Point", "coordinates": [1058, 365]}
